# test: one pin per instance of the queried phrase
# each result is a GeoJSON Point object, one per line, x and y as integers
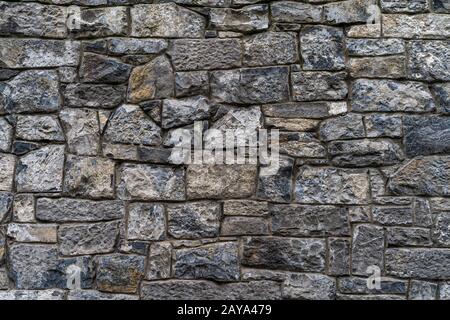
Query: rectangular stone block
{"type": "Point", "coordinates": [367, 248]}
{"type": "Point", "coordinates": [316, 85]}
{"type": "Point", "coordinates": [32, 232]}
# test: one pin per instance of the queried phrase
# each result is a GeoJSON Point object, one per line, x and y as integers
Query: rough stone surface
{"type": "Point", "coordinates": [146, 222]}
{"type": "Point", "coordinates": [309, 287]}
{"type": "Point", "coordinates": [367, 248]}
{"type": "Point", "coordinates": [310, 85]}
{"type": "Point", "coordinates": [429, 60]}
{"type": "Point", "coordinates": [249, 18]}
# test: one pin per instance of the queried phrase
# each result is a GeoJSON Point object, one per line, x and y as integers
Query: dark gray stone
{"type": "Point", "coordinates": [309, 287]}
{"type": "Point", "coordinates": [295, 12]}
{"type": "Point", "coordinates": [246, 19]}
{"type": "Point", "coordinates": [310, 85]}
{"type": "Point", "coordinates": [339, 256]}
{"type": "Point", "coordinates": [375, 47]}
{"type": "Point", "coordinates": [276, 186]}
{"type": "Point", "coordinates": [349, 126]}
{"type": "Point", "coordinates": [429, 60]}
{"type": "Point", "coordinates": [97, 68]}
{"type": "Point", "coordinates": [367, 248]}
{"type": "Point", "coordinates": [93, 95]}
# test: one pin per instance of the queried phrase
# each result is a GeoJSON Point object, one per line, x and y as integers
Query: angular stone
{"type": "Point", "coordinates": [6, 201]}
{"type": "Point", "coordinates": [416, 26]}
{"type": "Point", "coordinates": [205, 54]}
{"type": "Point", "coordinates": [159, 261]}
{"type": "Point", "coordinates": [349, 126]}
{"type": "Point", "coordinates": [120, 273]}
{"type": "Point", "coordinates": [179, 112]}
{"type": "Point", "coordinates": [93, 95]}
{"type": "Point", "coordinates": [309, 221]}
{"type": "Point", "coordinates": [6, 133]}
{"type": "Point", "coordinates": [80, 295]}
{"type": "Point", "coordinates": [23, 208]}
{"type": "Point", "coordinates": [129, 124]}
{"type": "Point", "coordinates": [97, 68]}
{"type": "Point", "coordinates": [440, 233]}
{"type": "Point", "coordinates": [444, 291]}
{"type": "Point", "coordinates": [101, 22]}
{"type": "Point", "coordinates": [217, 261]}
{"type": "Point", "coordinates": [429, 176]}
{"type": "Point", "coordinates": [31, 91]}
{"type": "Point", "coordinates": [191, 83]}
{"type": "Point", "coordinates": [418, 263]}
{"type": "Point", "coordinates": [270, 48]}
{"type": "Point", "coordinates": [422, 290]}
{"type": "Point", "coordinates": [91, 238]}
{"type": "Point", "coordinates": [339, 256]}
{"type": "Point", "coordinates": [408, 237]}
{"type": "Point", "coordinates": [295, 124]}
{"type": "Point", "coordinates": [220, 181]}
{"type": "Point", "coordinates": [391, 96]}
{"type": "Point", "coordinates": [36, 53]}
{"type": "Point", "coordinates": [355, 285]}
{"type": "Point", "coordinates": [359, 214]}
{"type": "Point", "coordinates": [440, 6]}
{"type": "Point", "coordinates": [392, 215]}
{"type": "Point", "coordinates": [322, 48]}
{"type": "Point", "coordinates": [35, 295]}
{"type": "Point", "coordinates": [32, 232]}
{"type": "Point", "coordinates": [367, 248]}
{"type": "Point", "coordinates": [76, 210]}
{"type": "Point", "coordinates": [404, 6]}
{"type": "Point", "coordinates": [276, 185]}
{"type": "Point", "coordinates": [380, 125]}
{"type": "Point", "coordinates": [310, 110]}
{"type": "Point", "coordinates": [146, 222]}
{"type": "Point", "coordinates": [89, 177]}
{"type": "Point", "coordinates": [365, 153]}
{"type": "Point", "coordinates": [235, 226]}
{"type": "Point", "coordinates": [37, 128]}
{"type": "Point", "coordinates": [442, 95]}
{"type": "Point", "coordinates": [364, 31]}
{"type": "Point", "coordinates": [7, 165]}
{"type": "Point", "coordinates": [247, 119]}
{"type": "Point", "coordinates": [284, 253]}
{"type": "Point", "coordinates": [136, 46]}
{"type": "Point", "coordinates": [194, 220]}
{"type": "Point", "coordinates": [4, 281]}
{"type": "Point", "coordinates": [375, 47]}
{"type": "Point", "coordinates": [245, 208]}
{"type": "Point", "coordinates": [350, 11]}
{"type": "Point", "coordinates": [392, 67]}
{"type": "Point", "coordinates": [41, 170]}
{"type": "Point", "coordinates": [246, 19]}
{"type": "Point", "coordinates": [422, 213]}
{"type": "Point", "coordinates": [303, 145]}
{"type": "Point", "coordinates": [251, 86]}
{"type": "Point", "coordinates": [331, 186]}
{"type": "Point", "coordinates": [149, 182]}
{"type": "Point", "coordinates": [2, 246]}
{"type": "Point", "coordinates": [154, 80]}
{"type": "Point", "coordinates": [429, 60]}
{"type": "Point", "coordinates": [207, 290]}
{"type": "Point", "coordinates": [309, 287]}
{"type": "Point", "coordinates": [32, 19]}
{"type": "Point", "coordinates": [82, 130]}
{"type": "Point", "coordinates": [310, 85]}
{"type": "Point", "coordinates": [166, 20]}
{"type": "Point", "coordinates": [295, 12]}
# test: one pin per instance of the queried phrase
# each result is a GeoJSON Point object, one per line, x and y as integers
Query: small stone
{"type": "Point", "coordinates": [129, 124]}
{"type": "Point", "coordinates": [359, 214]}
{"type": "Point", "coordinates": [97, 68]}
{"type": "Point", "coordinates": [23, 208]}
{"type": "Point", "coordinates": [444, 291]}
{"type": "Point", "coordinates": [7, 165]}
{"type": "Point", "coordinates": [77, 210]}
{"type": "Point", "coordinates": [312, 85]}
{"type": "Point", "coordinates": [91, 238]}
{"type": "Point", "coordinates": [308, 221]}
{"type": "Point", "coordinates": [404, 6]}
{"type": "Point", "coordinates": [94, 95]}
{"type": "Point", "coordinates": [392, 216]}
{"type": "Point", "coordinates": [367, 248]}
{"type": "Point", "coordinates": [270, 48]}
{"type": "Point", "coordinates": [309, 287]}
{"type": "Point", "coordinates": [159, 261]}
{"type": "Point", "coordinates": [391, 96]}
{"type": "Point", "coordinates": [331, 186]}
{"type": "Point", "coordinates": [41, 170]}
{"type": "Point", "coordinates": [422, 290]}
{"type": "Point", "coordinates": [238, 226]}
{"type": "Point", "coordinates": [350, 11]}
{"type": "Point", "coordinates": [415, 26]}
{"type": "Point", "coordinates": [418, 263]}
{"type": "Point", "coordinates": [220, 181]}
{"type": "Point", "coordinates": [322, 48]}
{"type": "Point", "coordinates": [339, 256]}
{"type": "Point", "coordinates": [101, 22]}
{"type": "Point", "coordinates": [194, 220]}
{"type": "Point", "coordinates": [41, 295]}
{"type": "Point", "coordinates": [6, 133]}
{"type": "Point", "coordinates": [299, 124]}
{"type": "Point", "coordinates": [251, 86]}
{"type": "Point", "coordinates": [218, 261]}
{"type": "Point", "coordinates": [295, 12]}
{"type": "Point", "coordinates": [276, 186]}
{"type": "Point", "coordinates": [166, 20]}
{"type": "Point", "coordinates": [37, 128]}
{"type": "Point", "coordinates": [246, 19]}
{"type": "Point", "coordinates": [310, 110]}
{"type": "Point", "coordinates": [440, 234]}
{"type": "Point", "coordinates": [36, 53]}
{"type": "Point", "coordinates": [428, 176]}
{"type": "Point", "coordinates": [154, 80]}
{"type": "Point", "coordinates": [245, 208]}
{"type": "Point", "coordinates": [408, 237]}
{"type": "Point", "coordinates": [4, 281]}
{"type": "Point", "coordinates": [79, 295]}
{"type": "Point", "coordinates": [89, 177]}
{"type": "Point", "coordinates": [392, 67]}
{"type": "Point", "coordinates": [284, 253]}
{"type": "Point", "coordinates": [375, 47]}
{"type": "Point", "coordinates": [442, 95]}
{"type": "Point", "coordinates": [136, 46]}
{"type": "Point", "coordinates": [150, 182]}
{"type": "Point", "coordinates": [179, 112]}
{"type": "Point", "coordinates": [422, 213]}
{"type": "Point", "coordinates": [6, 201]}
{"type": "Point", "coordinates": [146, 222]}
{"type": "Point", "coordinates": [31, 91]}
{"type": "Point", "coordinates": [380, 125]}
{"type": "Point", "coordinates": [191, 83]}
{"type": "Point", "coordinates": [440, 6]}
{"type": "Point", "coordinates": [429, 60]}
{"type": "Point", "coordinates": [303, 145]}
{"type": "Point", "coordinates": [32, 232]}
{"type": "Point", "coordinates": [349, 126]}
{"type": "Point", "coordinates": [120, 273]}
{"type": "Point", "coordinates": [364, 31]}
{"type": "Point", "coordinates": [67, 74]}
{"type": "Point", "coordinates": [82, 131]}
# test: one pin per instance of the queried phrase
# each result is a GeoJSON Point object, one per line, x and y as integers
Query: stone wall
{"type": "Point", "coordinates": [91, 92]}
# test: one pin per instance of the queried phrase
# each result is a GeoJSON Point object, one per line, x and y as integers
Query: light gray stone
{"type": "Point", "coordinates": [37, 128]}
{"type": "Point", "coordinates": [236, 226]}
{"type": "Point", "coordinates": [136, 46]}
{"type": "Point", "coordinates": [179, 112]}
{"type": "Point", "coordinates": [80, 295]}
{"type": "Point", "coordinates": [7, 165]}
{"type": "Point", "coordinates": [404, 6]}
{"type": "Point", "coordinates": [440, 234]}
{"type": "Point", "coordinates": [6, 133]}
{"type": "Point", "coordinates": [146, 222]}
{"type": "Point", "coordinates": [429, 60]}
{"type": "Point", "coordinates": [381, 125]}
{"type": "Point", "coordinates": [295, 12]}
{"type": "Point", "coordinates": [375, 47]}
{"type": "Point", "coordinates": [32, 232]}
{"type": "Point", "coordinates": [246, 19]}
{"type": "Point", "coordinates": [191, 83]}
{"type": "Point", "coordinates": [309, 287]}
{"type": "Point", "coordinates": [349, 126]}
{"type": "Point", "coordinates": [422, 290]}
{"type": "Point", "coordinates": [350, 11]}
{"type": "Point", "coordinates": [42, 295]}
{"type": "Point", "coordinates": [23, 208]}
{"type": "Point", "coordinates": [159, 261]}
{"type": "Point", "coordinates": [6, 201]}
{"type": "Point", "coordinates": [416, 26]}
